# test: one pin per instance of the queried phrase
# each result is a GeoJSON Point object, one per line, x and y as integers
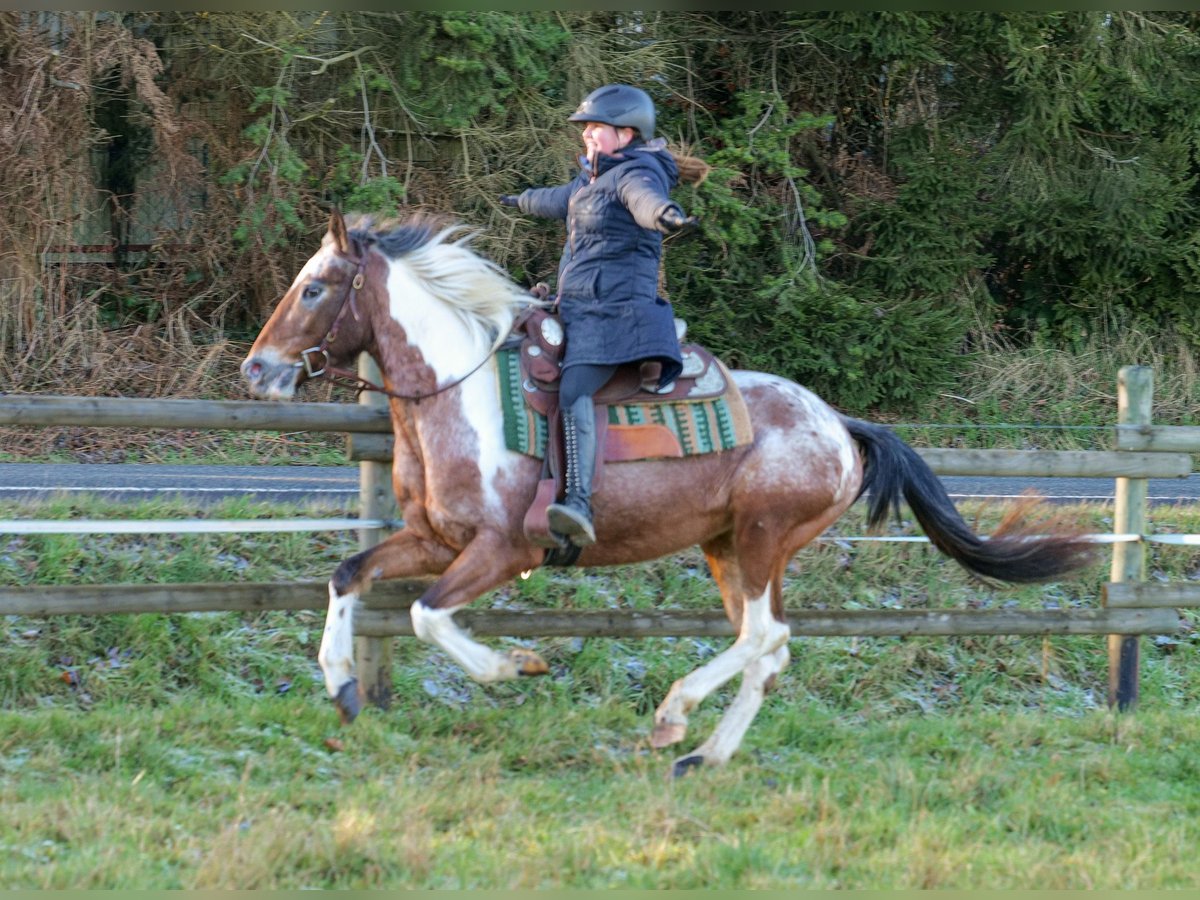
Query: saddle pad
{"type": "Point", "coordinates": [700, 426]}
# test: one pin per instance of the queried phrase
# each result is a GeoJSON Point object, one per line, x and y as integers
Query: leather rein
{"type": "Point", "coordinates": [353, 379]}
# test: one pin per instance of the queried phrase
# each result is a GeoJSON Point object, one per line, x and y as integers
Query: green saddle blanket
{"type": "Point", "coordinates": [700, 426]}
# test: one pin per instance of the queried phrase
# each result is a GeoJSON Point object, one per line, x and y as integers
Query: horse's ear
{"type": "Point", "coordinates": [337, 228]}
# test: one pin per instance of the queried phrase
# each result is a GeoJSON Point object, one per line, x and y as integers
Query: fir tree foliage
{"type": "Point", "coordinates": [885, 183]}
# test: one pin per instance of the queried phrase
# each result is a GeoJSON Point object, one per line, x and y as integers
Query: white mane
{"type": "Point", "coordinates": [477, 290]}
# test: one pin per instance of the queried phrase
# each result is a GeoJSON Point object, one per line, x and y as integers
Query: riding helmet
{"type": "Point", "coordinates": [619, 105]}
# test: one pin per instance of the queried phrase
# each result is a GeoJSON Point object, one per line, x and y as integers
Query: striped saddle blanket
{"type": "Point", "coordinates": [642, 426]}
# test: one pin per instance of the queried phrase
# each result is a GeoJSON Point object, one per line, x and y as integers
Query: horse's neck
{"type": "Point", "coordinates": [431, 370]}
{"type": "Point", "coordinates": [422, 347]}
{"type": "Point", "coordinates": [450, 448]}
{"type": "Point", "coordinates": [447, 343]}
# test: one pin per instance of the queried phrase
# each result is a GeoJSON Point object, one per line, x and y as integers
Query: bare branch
{"type": "Point", "coordinates": [325, 62]}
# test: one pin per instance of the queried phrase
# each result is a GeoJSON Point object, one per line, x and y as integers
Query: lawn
{"type": "Point", "coordinates": [199, 751]}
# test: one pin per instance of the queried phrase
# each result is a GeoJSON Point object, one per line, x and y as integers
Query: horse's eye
{"type": "Point", "coordinates": [313, 291]}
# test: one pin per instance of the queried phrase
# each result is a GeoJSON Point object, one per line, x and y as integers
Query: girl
{"type": "Point", "coordinates": [616, 210]}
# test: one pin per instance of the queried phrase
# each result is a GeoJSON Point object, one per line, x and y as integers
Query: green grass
{"type": "Point", "coordinates": [199, 750]}
{"type": "Point", "coordinates": [170, 447]}
{"type": "Point", "coordinates": [547, 793]}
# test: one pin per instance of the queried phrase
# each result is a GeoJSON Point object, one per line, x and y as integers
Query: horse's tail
{"type": "Point", "coordinates": [1014, 553]}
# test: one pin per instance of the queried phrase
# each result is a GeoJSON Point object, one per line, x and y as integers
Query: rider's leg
{"type": "Point", "coordinates": [573, 517]}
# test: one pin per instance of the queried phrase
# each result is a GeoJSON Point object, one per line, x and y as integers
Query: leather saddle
{"type": "Point", "coordinates": [541, 339]}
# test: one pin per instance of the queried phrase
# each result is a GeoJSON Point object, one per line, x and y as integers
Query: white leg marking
{"type": "Point", "coordinates": [727, 736]}
{"type": "Point", "coordinates": [761, 635]}
{"type": "Point", "coordinates": [435, 626]}
{"type": "Point", "coordinates": [336, 655]}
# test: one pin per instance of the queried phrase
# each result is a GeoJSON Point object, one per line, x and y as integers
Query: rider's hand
{"type": "Point", "coordinates": [508, 200]}
{"type": "Point", "coordinates": [673, 221]}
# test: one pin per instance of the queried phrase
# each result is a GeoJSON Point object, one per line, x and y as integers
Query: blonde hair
{"type": "Point", "coordinates": [692, 169]}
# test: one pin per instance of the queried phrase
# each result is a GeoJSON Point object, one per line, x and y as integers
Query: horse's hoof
{"type": "Point", "coordinates": [667, 733]}
{"type": "Point", "coordinates": [528, 662]}
{"type": "Point", "coordinates": [347, 701]}
{"type": "Point", "coordinates": [686, 764]}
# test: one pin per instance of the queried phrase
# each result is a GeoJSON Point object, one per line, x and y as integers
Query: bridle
{"type": "Point", "coordinates": [353, 379]}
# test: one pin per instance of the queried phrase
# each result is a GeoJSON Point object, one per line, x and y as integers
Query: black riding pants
{"type": "Point", "coordinates": [582, 380]}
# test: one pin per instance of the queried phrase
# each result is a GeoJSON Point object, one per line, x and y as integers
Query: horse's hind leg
{"type": "Point", "coordinates": [757, 679]}
{"type": "Point", "coordinates": [748, 567]}
{"type": "Point", "coordinates": [760, 633]}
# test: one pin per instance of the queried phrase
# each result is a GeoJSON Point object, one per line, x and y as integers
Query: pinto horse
{"type": "Point", "coordinates": [431, 312]}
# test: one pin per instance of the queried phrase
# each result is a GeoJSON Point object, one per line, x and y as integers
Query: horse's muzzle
{"type": "Point", "coordinates": [269, 379]}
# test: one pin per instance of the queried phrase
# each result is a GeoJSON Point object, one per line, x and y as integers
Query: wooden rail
{"type": "Point", "coordinates": [201, 415]}
{"type": "Point", "coordinates": [1015, 463]}
{"type": "Point", "coordinates": [385, 614]}
{"type": "Point", "coordinates": [369, 428]}
{"type": "Point", "coordinates": [1146, 595]}
{"type": "Point", "coordinates": [1159, 438]}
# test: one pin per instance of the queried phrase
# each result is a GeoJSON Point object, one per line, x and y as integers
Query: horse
{"type": "Point", "coordinates": [415, 295]}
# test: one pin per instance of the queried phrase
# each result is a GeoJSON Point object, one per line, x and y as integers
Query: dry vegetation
{"type": "Point", "coordinates": [298, 105]}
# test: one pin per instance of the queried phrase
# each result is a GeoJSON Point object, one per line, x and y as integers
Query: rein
{"type": "Point", "coordinates": [353, 379]}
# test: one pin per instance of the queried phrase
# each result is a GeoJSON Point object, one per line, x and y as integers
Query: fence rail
{"type": "Point", "coordinates": [386, 614]}
{"type": "Point", "coordinates": [1130, 607]}
{"type": "Point", "coordinates": [201, 415]}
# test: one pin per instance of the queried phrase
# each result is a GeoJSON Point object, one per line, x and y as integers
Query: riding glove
{"type": "Point", "coordinates": [673, 221]}
{"type": "Point", "coordinates": [508, 200]}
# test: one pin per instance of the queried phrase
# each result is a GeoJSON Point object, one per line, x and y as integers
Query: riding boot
{"type": "Point", "coordinates": [573, 517]}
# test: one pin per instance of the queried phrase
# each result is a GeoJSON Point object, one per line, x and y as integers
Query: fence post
{"type": "Point", "coordinates": [373, 655]}
{"type": "Point", "coordinates": [1135, 395]}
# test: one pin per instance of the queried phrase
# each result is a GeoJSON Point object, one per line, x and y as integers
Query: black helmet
{"type": "Point", "coordinates": [619, 105]}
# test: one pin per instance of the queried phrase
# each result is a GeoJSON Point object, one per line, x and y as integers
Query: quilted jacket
{"type": "Point", "coordinates": [608, 274]}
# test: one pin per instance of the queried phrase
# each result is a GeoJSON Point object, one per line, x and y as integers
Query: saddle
{"type": "Point", "coordinates": [630, 431]}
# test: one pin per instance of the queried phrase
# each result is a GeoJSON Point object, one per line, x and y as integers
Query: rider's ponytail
{"type": "Point", "coordinates": [692, 169]}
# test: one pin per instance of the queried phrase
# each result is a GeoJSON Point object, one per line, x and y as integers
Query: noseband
{"type": "Point", "coordinates": [353, 379]}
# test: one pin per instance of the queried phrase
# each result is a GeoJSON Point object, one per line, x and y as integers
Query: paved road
{"type": "Point", "coordinates": [336, 484]}
{"type": "Point", "coordinates": [339, 484]}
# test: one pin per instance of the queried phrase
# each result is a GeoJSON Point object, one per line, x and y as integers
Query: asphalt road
{"type": "Point", "coordinates": [338, 485]}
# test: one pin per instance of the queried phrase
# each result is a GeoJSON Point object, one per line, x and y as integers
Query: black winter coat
{"type": "Point", "coordinates": [608, 275]}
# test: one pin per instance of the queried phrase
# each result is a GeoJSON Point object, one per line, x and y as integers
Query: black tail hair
{"type": "Point", "coordinates": [1014, 553]}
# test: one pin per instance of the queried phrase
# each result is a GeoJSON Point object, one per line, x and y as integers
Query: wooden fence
{"type": "Point", "coordinates": [1130, 607]}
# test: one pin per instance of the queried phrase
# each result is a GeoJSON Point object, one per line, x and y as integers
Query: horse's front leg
{"type": "Point", "coordinates": [484, 563]}
{"type": "Point", "coordinates": [404, 554]}
{"type": "Point", "coordinates": [489, 560]}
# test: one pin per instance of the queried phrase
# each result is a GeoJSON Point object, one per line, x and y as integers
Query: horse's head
{"type": "Point", "coordinates": [317, 322]}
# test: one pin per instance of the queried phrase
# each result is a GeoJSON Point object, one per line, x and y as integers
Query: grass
{"type": "Point", "coordinates": [170, 447]}
{"type": "Point", "coordinates": [1042, 398]}
{"type": "Point", "coordinates": [199, 750]}
{"type": "Point", "coordinates": [205, 795]}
